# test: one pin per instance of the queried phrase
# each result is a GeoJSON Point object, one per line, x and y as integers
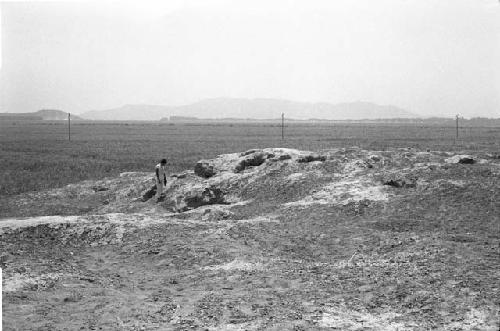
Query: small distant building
{"type": "Point", "coordinates": [183, 119]}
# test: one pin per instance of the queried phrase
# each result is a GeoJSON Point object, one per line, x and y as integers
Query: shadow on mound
{"type": "Point", "coordinates": [192, 199]}
{"type": "Point", "coordinates": [149, 194]}
{"type": "Point", "coordinates": [209, 196]}
{"type": "Point", "coordinates": [253, 159]}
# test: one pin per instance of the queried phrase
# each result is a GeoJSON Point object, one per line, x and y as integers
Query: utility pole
{"type": "Point", "coordinates": [282, 126]}
{"type": "Point", "coordinates": [69, 126]}
{"type": "Point", "coordinates": [457, 126]}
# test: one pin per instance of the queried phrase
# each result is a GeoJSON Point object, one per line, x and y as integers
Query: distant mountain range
{"type": "Point", "coordinates": [44, 114]}
{"type": "Point", "coordinates": [237, 108]}
{"type": "Point", "coordinates": [129, 113]}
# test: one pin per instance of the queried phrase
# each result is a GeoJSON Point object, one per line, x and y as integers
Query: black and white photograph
{"type": "Point", "coordinates": [250, 165]}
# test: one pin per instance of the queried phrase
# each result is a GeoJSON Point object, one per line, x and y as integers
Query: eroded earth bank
{"type": "Point", "coordinates": [273, 239]}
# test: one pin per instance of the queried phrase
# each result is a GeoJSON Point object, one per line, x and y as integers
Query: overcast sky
{"type": "Point", "coordinates": [432, 57]}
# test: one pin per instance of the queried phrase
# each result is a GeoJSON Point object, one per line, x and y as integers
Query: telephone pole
{"type": "Point", "coordinates": [282, 126]}
{"type": "Point", "coordinates": [69, 126]}
{"type": "Point", "coordinates": [457, 126]}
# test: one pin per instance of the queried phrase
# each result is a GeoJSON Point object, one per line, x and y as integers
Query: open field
{"type": "Point", "coordinates": [395, 235]}
{"type": "Point", "coordinates": [38, 156]}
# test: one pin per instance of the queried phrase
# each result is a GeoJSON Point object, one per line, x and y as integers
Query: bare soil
{"type": "Point", "coordinates": [297, 246]}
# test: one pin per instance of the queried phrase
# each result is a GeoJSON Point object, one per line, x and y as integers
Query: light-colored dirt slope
{"type": "Point", "coordinates": [273, 239]}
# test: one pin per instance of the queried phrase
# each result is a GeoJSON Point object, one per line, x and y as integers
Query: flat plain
{"type": "Point", "coordinates": [378, 227]}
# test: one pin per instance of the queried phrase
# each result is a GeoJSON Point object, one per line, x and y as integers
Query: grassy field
{"type": "Point", "coordinates": [37, 155]}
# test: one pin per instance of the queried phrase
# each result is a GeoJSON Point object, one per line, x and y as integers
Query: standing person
{"type": "Point", "coordinates": [161, 178]}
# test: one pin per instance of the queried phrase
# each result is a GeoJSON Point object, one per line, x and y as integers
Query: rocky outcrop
{"type": "Point", "coordinates": [197, 198]}
{"type": "Point", "coordinates": [239, 162]}
{"type": "Point", "coordinates": [204, 169]}
{"type": "Point", "coordinates": [253, 159]}
{"type": "Point", "coordinates": [99, 188]}
{"type": "Point", "coordinates": [463, 159]}
{"type": "Point", "coordinates": [225, 173]}
{"type": "Point", "coordinates": [284, 157]}
{"type": "Point", "coordinates": [250, 151]}
{"type": "Point", "coordinates": [399, 182]}
{"type": "Point", "coordinates": [311, 158]}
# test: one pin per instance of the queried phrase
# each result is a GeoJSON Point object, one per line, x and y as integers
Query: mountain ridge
{"type": "Point", "coordinates": [257, 108]}
{"type": "Point", "coordinates": [42, 115]}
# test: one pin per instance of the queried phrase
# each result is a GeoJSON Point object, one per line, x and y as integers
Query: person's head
{"type": "Point", "coordinates": [163, 161]}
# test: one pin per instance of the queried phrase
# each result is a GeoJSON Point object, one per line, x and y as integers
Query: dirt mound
{"type": "Point", "coordinates": [224, 180]}
{"type": "Point", "coordinates": [254, 177]}
{"type": "Point", "coordinates": [265, 239]}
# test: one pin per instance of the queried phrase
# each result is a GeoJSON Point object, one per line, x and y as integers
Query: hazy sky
{"type": "Point", "coordinates": [433, 57]}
